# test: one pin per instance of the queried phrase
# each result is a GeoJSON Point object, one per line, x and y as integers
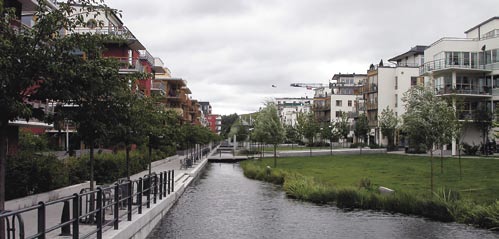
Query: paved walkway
{"type": "Point", "coordinates": [54, 212]}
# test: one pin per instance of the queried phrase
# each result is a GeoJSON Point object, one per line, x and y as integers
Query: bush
{"type": "Point", "coordinates": [28, 174]}
{"type": "Point", "coordinates": [356, 145]}
{"type": "Point", "coordinates": [470, 149]}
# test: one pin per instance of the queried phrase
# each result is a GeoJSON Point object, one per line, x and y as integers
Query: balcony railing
{"type": "Point", "coordinates": [145, 55]}
{"type": "Point", "coordinates": [159, 86]}
{"type": "Point", "coordinates": [129, 64]}
{"type": "Point", "coordinates": [442, 64]}
{"type": "Point", "coordinates": [108, 30]}
{"type": "Point", "coordinates": [486, 90]}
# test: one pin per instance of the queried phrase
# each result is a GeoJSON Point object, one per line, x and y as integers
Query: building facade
{"type": "Point", "coordinates": [289, 109]}
{"type": "Point", "coordinates": [466, 69]}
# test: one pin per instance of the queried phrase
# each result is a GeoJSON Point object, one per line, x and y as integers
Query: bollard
{"type": "Point", "coordinates": [41, 220]}
{"type": "Point", "coordinates": [66, 229]}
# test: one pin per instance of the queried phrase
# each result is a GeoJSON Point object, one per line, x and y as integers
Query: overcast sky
{"type": "Point", "coordinates": [231, 52]}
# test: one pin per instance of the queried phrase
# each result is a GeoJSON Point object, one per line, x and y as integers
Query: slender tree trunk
{"type": "Point", "coordinates": [150, 153]}
{"type": "Point", "coordinates": [127, 156]}
{"type": "Point", "coordinates": [441, 159]}
{"type": "Point", "coordinates": [331, 146]}
{"type": "Point", "coordinates": [92, 162]}
{"type": "Point", "coordinates": [431, 172]}
{"type": "Point", "coordinates": [3, 163]}
{"type": "Point", "coordinates": [460, 167]}
{"type": "Point", "coordinates": [275, 155]}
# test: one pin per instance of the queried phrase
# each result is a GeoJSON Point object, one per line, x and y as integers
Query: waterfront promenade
{"type": "Point", "coordinates": [183, 176]}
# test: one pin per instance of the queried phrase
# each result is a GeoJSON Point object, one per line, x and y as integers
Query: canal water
{"type": "Point", "coordinates": [222, 203]}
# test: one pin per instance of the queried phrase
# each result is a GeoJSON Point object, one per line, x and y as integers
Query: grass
{"type": "Point", "coordinates": [480, 182]}
{"type": "Point", "coordinates": [351, 182]}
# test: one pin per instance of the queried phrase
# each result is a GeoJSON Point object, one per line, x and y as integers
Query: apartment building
{"type": "Point", "coordinates": [345, 89]}
{"type": "Point", "coordinates": [385, 85]}
{"type": "Point", "coordinates": [322, 105]}
{"type": "Point", "coordinates": [468, 70]}
{"type": "Point", "coordinates": [289, 108]}
{"type": "Point", "coordinates": [215, 123]}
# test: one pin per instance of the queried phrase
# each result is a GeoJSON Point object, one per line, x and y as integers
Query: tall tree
{"type": "Point", "coordinates": [40, 63]}
{"type": "Point", "coordinates": [307, 126]}
{"type": "Point", "coordinates": [427, 119]}
{"type": "Point", "coordinates": [388, 124]}
{"type": "Point", "coordinates": [343, 126]}
{"type": "Point", "coordinates": [227, 122]}
{"type": "Point", "coordinates": [361, 127]}
{"type": "Point", "coordinates": [292, 135]}
{"type": "Point", "coordinates": [483, 118]}
{"type": "Point", "coordinates": [268, 123]}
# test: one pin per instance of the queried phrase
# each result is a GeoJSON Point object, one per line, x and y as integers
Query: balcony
{"type": "Point", "coordinates": [129, 64]}
{"type": "Point", "coordinates": [159, 87]}
{"type": "Point", "coordinates": [145, 55]}
{"type": "Point", "coordinates": [107, 30]}
{"type": "Point", "coordinates": [484, 91]}
{"type": "Point", "coordinates": [461, 64]}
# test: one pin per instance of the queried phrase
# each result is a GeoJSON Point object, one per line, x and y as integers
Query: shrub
{"type": "Point", "coordinates": [470, 149]}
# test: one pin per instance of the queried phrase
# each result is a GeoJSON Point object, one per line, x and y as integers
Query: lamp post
{"type": "Point", "coordinates": [331, 139]}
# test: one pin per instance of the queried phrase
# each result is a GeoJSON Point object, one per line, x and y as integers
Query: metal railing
{"type": "Point", "coordinates": [90, 208]}
{"type": "Point", "coordinates": [145, 55]}
{"type": "Point", "coordinates": [444, 64]}
{"type": "Point", "coordinates": [108, 30]}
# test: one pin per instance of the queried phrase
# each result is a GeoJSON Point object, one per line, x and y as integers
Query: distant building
{"type": "Point", "coordinates": [215, 123]}
{"type": "Point", "coordinates": [289, 108]}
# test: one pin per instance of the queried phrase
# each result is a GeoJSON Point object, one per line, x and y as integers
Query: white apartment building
{"type": "Point", "coordinates": [469, 69]}
{"type": "Point", "coordinates": [289, 108]}
{"type": "Point", "coordinates": [344, 91]}
{"type": "Point", "coordinates": [385, 85]}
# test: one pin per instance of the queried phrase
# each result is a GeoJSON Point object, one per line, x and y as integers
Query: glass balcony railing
{"type": "Point", "coordinates": [485, 90]}
{"type": "Point", "coordinates": [443, 64]}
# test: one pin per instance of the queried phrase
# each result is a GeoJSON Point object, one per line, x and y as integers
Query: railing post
{"type": "Point", "coordinates": [76, 216]}
{"type": "Point", "coordinates": [41, 220]}
{"type": "Point", "coordinates": [165, 181]}
{"type": "Point", "coordinates": [155, 187]}
{"type": "Point", "coordinates": [148, 195]}
{"type": "Point", "coordinates": [116, 205]}
{"type": "Point", "coordinates": [139, 196]}
{"type": "Point", "coordinates": [160, 185]}
{"type": "Point", "coordinates": [173, 180]}
{"type": "Point", "coordinates": [99, 213]}
{"type": "Point", "coordinates": [129, 200]}
{"type": "Point", "coordinates": [169, 177]}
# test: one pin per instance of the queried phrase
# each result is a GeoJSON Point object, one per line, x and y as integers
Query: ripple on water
{"type": "Point", "coordinates": [222, 203]}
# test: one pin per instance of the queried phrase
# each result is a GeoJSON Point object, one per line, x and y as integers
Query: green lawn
{"type": "Point", "coordinates": [400, 172]}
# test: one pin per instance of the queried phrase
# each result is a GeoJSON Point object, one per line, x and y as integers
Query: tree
{"type": "Point", "coordinates": [292, 135]}
{"type": "Point", "coordinates": [329, 132]}
{"type": "Point", "coordinates": [269, 124]}
{"type": "Point", "coordinates": [388, 124]}
{"type": "Point", "coordinates": [428, 119]}
{"type": "Point", "coordinates": [227, 122]}
{"type": "Point", "coordinates": [307, 126]}
{"type": "Point", "coordinates": [343, 126]}
{"type": "Point", "coordinates": [361, 128]}
{"type": "Point", "coordinates": [483, 118]}
{"type": "Point", "coordinates": [40, 63]}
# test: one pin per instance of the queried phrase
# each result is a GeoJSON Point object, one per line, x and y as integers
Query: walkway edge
{"type": "Point", "coordinates": [143, 224]}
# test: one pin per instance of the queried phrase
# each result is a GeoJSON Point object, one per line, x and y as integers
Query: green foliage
{"type": "Point", "coordinates": [227, 122]}
{"type": "Point", "coordinates": [388, 124]}
{"type": "Point", "coordinates": [292, 135]}
{"type": "Point", "coordinates": [30, 174]}
{"type": "Point", "coordinates": [307, 126]}
{"type": "Point", "coordinates": [30, 142]}
{"type": "Point", "coordinates": [361, 127]}
{"type": "Point", "coordinates": [470, 149]}
{"type": "Point", "coordinates": [342, 126]}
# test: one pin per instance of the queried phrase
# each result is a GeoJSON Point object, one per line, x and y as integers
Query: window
{"type": "Point", "coordinates": [338, 103]}
{"type": "Point", "coordinates": [349, 103]}
{"type": "Point", "coordinates": [396, 100]}
{"type": "Point", "coordinates": [396, 82]}
{"type": "Point", "coordinates": [414, 81]}
{"type": "Point", "coordinates": [338, 114]}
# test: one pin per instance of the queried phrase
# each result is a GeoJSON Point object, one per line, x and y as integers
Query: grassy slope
{"type": "Point", "coordinates": [408, 173]}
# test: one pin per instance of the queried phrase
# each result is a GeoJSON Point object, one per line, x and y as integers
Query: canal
{"type": "Point", "coordinates": [222, 203]}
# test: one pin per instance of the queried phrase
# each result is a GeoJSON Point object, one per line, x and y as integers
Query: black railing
{"type": "Point", "coordinates": [89, 209]}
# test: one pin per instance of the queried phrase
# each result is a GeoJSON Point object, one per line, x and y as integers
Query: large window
{"type": "Point", "coordinates": [338, 103]}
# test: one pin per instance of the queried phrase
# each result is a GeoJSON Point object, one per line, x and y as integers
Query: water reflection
{"type": "Point", "coordinates": [222, 203]}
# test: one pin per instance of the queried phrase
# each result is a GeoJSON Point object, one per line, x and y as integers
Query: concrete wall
{"type": "Point", "coordinates": [32, 200]}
